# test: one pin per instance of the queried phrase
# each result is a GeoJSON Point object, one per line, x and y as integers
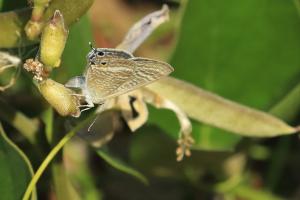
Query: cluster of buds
{"type": "Point", "coordinates": [35, 25]}
{"type": "Point", "coordinates": [53, 40]}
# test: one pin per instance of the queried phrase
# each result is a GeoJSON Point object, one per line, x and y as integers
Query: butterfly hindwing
{"type": "Point", "coordinates": [145, 71]}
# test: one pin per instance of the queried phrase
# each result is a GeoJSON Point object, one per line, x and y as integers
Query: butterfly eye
{"type": "Point", "coordinates": [100, 53]}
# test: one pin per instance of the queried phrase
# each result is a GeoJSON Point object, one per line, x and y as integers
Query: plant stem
{"type": "Point", "coordinates": [45, 163]}
{"type": "Point", "coordinates": [50, 157]}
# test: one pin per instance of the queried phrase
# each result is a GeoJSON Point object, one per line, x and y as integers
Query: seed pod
{"type": "Point", "coordinates": [54, 37]}
{"type": "Point", "coordinates": [33, 29]}
{"type": "Point", "coordinates": [39, 7]}
{"type": "Point", "coordinates": [34, 26]}
{"type": "Point", "coordinates": [219, 112]}
{"type": "Point", "coordinates": [61, 98]}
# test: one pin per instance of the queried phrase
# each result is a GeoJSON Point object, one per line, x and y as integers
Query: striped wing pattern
{"type": "Point", "coordinates": [116, 76]}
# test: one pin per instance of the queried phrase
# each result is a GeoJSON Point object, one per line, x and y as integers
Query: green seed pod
{"type": "Point", "coordinates": [39, 7]}
{"type": "Point", "coordinates": [54, 37]}
{"type": "Point", "coordinates": [61, 98]}
{"type": "Point", "coordinates": [219, 112]}
{"type": "Point", "coordinates": [34, 26]}
{"type": "Point", "coordinates": [33, 29]}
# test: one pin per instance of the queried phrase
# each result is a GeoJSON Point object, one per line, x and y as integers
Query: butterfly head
{"type": "Point", "coordinates": [94, 55]}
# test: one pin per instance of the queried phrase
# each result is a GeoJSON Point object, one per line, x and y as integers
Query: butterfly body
{"type": "Point", "coordinates": [112, 72]}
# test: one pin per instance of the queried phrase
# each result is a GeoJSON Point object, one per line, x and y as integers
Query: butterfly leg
{"type": "Point", "coordinates": [87, 106]}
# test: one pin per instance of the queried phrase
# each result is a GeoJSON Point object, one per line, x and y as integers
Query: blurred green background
{"type": "Point", "coordinates": [246, 51]}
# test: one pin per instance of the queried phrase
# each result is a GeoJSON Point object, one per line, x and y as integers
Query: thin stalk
{"type": "Point", "coordinates": [50, 157]}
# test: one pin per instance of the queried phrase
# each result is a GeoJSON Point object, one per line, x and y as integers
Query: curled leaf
{"type": "Point", "coordinates": [214, 110]}
{"type": "Point", "coordinates": [185, 138]}
{"type": "Point", "coordinates": [8, 61]}
{"type": "Point", "coordinates": [143, 28]}
{"type": "Point", "coordinates": [134, 109]}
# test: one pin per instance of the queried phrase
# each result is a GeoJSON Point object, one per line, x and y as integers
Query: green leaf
{"type": "Point", "coordinates": [77, 47]}
{"type": "Point", "coordinates": [120, 165]}
{"type": "Point", "coordinates": [47, 118]}
{"type": "Point", "coordinates": [289, 107]}
{"type": "Point", "coordinates": [12, 5]}
{"type": "Point", "coordinates": [26, 126]}
{"type": "Point", "coordinates": [246, 51]}
{"type": "Point", "coordinates": [220, 112]}
{"type": "Point", "coordinates": [15, 169]}
{"type": "Point", "coordinates": [62, 184]}
{"type": "Point", "coordinates": [238, 187]}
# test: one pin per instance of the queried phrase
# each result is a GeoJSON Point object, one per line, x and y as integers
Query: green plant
{"type": "Point", "coordinates": [45, 27]}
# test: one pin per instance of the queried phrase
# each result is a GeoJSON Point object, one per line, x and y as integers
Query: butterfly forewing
{"type": "Point", "coordinates": [104, 79]}
{"type": "Point", "coordinates": [145, 72]}
{"type": "Point", "coordinates": [114, 72]}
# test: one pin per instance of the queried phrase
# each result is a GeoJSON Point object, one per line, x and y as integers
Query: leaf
{"type": "Point", "coordinates": [62, 184]}
{"type": "Point", "coordinates": [77, 47]}
{"type": "Point", "coordinates": [245, 51]}
{"type": "Point", "coordinates": [75, 153]}
{"type": "Point", "coordinates": [289, 107]}
{"type": "Point", "coordinates": [143, 28]}
{"type": "Point", "coordinates": [121, 166]}
{"type": "Point", "coordinates": [219, 112]}
{"type": "Point", "coordinates": [12, 5]}
{"type": "Point", "coordinates": [15, 169]}
{"type": "Point", "coordinates": [47, 118]}
{"type": "Point", "coordinates": [237, 187]}
{"type": "Point", "coordinates": [26, 126]}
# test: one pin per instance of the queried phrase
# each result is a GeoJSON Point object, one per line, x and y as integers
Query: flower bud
{"type": "Point", "coordinates": [53, 41]}
{"type": "Point", "coordinates": [33, 29]}
{"type": "Point", "coordinates": [61, 98]}
{"type": "Point", "coordinates": [34, 26]}
{"type": "Point", "coordinates": [39, 7]}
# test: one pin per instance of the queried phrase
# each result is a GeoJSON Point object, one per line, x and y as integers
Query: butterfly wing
{"type": "Point", "coordinates": [119, 76]}
{"type": "Point", "coordinates": [145, 72]}
{"type": "Point", "coordinates": [104, 78]}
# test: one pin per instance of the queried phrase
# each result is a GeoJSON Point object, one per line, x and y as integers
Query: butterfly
{"type": "Point", "coordinates": [113, 72]}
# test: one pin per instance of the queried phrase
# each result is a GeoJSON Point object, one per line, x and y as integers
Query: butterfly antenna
{"type": "Point", "coordinates": [91, 45]}
{"type": "Point", "coordinates": [89, 129]}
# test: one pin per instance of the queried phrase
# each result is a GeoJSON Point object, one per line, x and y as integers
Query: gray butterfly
{"type": "Point", "coordinates": [112, 72]}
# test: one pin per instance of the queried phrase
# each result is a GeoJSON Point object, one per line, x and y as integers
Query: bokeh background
{"type": "Point", "coordinates": [246, 51]}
